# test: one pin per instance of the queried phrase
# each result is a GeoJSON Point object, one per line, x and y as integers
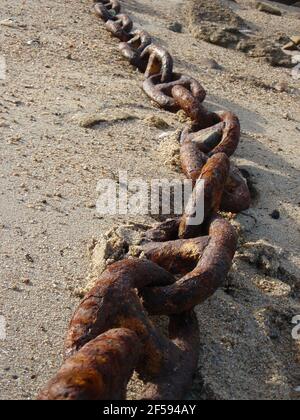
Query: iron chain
{"type": "Point", "coordinates": [111, 333]}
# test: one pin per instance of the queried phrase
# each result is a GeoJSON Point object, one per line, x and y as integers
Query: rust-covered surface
{"type": "Point", "coordinates": [202, 282]}
{"type": "Point", "coordinates": [114, 303]}
{"type": "Point", "coordinates": [99, 371]}
{"type": "Point", "coordinates": [184, 262]}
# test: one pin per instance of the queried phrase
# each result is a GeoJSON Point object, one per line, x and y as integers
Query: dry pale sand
{"type": "Point", "coordinates": [61, 66]}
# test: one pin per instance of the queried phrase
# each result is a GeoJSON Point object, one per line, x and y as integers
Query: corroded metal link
{"type": "Point", "coordinates": [114, 303]}
{"type": "Point", "coordinates": [222, 137]}
{"type": "Point", "coordinates": [107, 9]}
{"type": "Point", "coordinates": [193, 108]}
{"type": "Point", "coordinates": [104, 308]}
{"type": "Point", "coordinates": [214, 174]}
{"type": "Point", "coordinates": [236, 196]}
{"type": "Point", "coordinates": [161, 93]}
{"type": "Point", "coordinates": [225, 122]}
{"type": "Point", "coordinates": [201, 283]}
{"type": "Point", "coordinates": [111, 334]}
{"type": "Point", "coordinates": [119, 24]}
{"type": "Point", "coordinates": [120, 27]}
{"type": "Point", "coordinates": [102, 12]}
{"type": "Point", "coordinates": [187, 251]}
{"type": "Point", "coordinates": [205, 140]}
{"type": "Point", "coordinates": [133, 49]}
{"type": "Point", "coordinates": [99, 371]}
{"type": "Point", "coordinates": [192, 160]}
{"type": "Point", "coordinates": [231, 134]}
{"type": "Point", "coordinates": [160, 62]}
{"type": "Point", "coordinates": [113, 5]}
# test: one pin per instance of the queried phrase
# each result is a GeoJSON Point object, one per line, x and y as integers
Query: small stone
{"type": "Point", "coordinates": [210, 63]}
{"type": "Point", "coordinates": [225, 37]}
{"type": "Point", "coordinates": [275, 214]}
{"type": "Point", "coordinates": [33, 42]}
{"type": "Point", "coordinates": [267, 8]}
{"type": "Point", "coordinates": [157, 122]}
{"type": "Point", "coordinates": [29, 258]}
{"type": "Point", "coordinates": [287, 117]}
{"type": "Point", "coordinates": [27, 282]}
{"type": "Point", "coordinates": [10, 23]}
{"type": "Point", "coordinates": [175, 27]}
{"type": "Point", "coordinates": [281, 87]}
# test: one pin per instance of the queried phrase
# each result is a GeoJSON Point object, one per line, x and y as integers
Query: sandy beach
{"type": "Point", "coordinates": [63, 67]}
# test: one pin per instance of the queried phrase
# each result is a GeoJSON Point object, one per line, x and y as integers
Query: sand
{"type": "Point", "coordinates": [62, 68]}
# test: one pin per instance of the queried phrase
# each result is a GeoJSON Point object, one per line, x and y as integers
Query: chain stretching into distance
{"type": "Point", "coordinates": [111, 334]}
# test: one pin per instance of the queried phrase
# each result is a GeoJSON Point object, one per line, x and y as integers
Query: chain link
{"type": "Point", "coordinates": [111, 334]}
{"type": "Point", "coordinates": [133, 49]}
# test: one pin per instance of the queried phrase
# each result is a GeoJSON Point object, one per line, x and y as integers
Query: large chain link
{"type": "Point", "coordinates": [111, 334]}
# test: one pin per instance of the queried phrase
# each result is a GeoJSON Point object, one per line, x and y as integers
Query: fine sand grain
{"type": "Point", "coordinates": [71, 113]}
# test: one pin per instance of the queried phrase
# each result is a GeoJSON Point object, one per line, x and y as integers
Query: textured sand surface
{"type": "Point", "coordinates": [62, 66]}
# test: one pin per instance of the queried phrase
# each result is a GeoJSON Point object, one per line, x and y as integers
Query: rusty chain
{"type": "Point", "coordinates": [111, 334]}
